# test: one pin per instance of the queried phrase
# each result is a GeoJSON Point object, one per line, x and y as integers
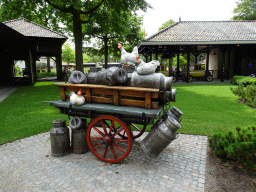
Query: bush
{"type": "Point", "coordinates": [243, 80]}
{"type": "Point", "coordinates": [240, 147]}
{"type": "Point", "coordinates": [41, 65]}
{"type": "Point", "coordinates": [247, 94]}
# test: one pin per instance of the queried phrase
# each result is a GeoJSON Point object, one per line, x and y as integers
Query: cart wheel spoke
{"type": "Point", "coordinates": [102, 134]}
{"type": "Point", "coordinates": [120, 149]}
{"type": "Point", "coordinates": [111, 127]}
{"type": "Point", "coordinates": [134, 126]}
{"type": "Point", "coordinates": [105, 151]}
{"type": "Point", "coordinates": [113, 151]}
{"type": "Point", "coordinates": [117, 132]}
{"type": "Point", "coordinates": [120, 140]}
{"type": "Point", "coordinates": [97, 138]}
{"type": "Point", "coordinates": [104, 128]}
{"type": "Point", "coordinates": [98, 146]}
{"type": "Point", "coordinates": [100, 139]}
{"type": "Point", "coordinates": [137, 131]}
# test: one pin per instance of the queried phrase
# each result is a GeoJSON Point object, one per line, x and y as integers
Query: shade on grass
{"type": "Point", "coordinates": [211, 108]}
{"type": "Point", "coordinates": [207, 109]}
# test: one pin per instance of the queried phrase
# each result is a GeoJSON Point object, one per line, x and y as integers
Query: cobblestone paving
{"type": "Point", "coordinates": [26, 166]}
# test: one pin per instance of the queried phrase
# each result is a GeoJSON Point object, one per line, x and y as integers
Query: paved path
{"type": "Point", "coordinates": [26, 166]}
{"type": "Point", "coordinates": [5, 91]}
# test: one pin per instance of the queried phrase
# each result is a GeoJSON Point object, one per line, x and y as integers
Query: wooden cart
{"type": "Point", "coordinates": [118, 115]}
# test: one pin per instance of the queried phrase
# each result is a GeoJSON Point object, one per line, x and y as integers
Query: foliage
{"type": "Point", "coordinates": [41, 65]}
{"type": "Point", "coordinates": [245, 10]}
{"type": "Point", "coordinates": [166, 24]}
{"type": "Point", "coordinates": [74, 14]}
{"type": "Point", "coordinates": [68, 54]}
{"type": "Point", "coordinates": [112, 28]}
{"type": "Point", "coordinates": [247, 94]}
{"type": "Point", "coordinates": [17, 69]}
{"type": "Point", "coordinates": [243, 80]}
{"type": "Point", "coordinates": [47, 74]}
{"type": "Point", "coordinates": [240, 147]}
{"type": "Point", "coordinates": [34, 10]}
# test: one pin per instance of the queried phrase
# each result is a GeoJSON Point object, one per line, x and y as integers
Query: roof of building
{"type": "Point", "coordinates": [28, 28]}
{"type": "Point", "coordinates": [205, 32]}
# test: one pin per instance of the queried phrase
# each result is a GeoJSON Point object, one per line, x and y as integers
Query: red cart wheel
{"type": "Point", "coordinates": [133, 128]}
{"type": "Point", "coordinates": [103, 139]}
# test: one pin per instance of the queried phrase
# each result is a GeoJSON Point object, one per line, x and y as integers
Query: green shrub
{"type": "Point", "coordinates": [240, 147]}
{"type": "Point", "coordinates": [243, 80]}
{"type": "Point", "coordinates": [41, 65]}
{"type": "Point", "coordinates": [247, 94]}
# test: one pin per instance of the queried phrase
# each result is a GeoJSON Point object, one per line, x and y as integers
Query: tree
{"type": "Point", "coordinates": [124, 27]}
{"type": "Point", "coordinates": [76, 13]}
{"type": "Point", "coordinates": [68, 54]}
{"type": "Point", "coordinates": [73, 14]}
{"type": "Point", "coordinates": [166, 24]}
{"type": "Point", "coordinates": [245, 10]}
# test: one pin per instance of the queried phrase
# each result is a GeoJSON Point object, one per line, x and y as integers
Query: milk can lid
{"type": "Point", "coordinates": [174, 122]}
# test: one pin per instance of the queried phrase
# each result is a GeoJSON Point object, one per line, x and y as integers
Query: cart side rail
{"type": "Point", "coordinates": [117, 95]}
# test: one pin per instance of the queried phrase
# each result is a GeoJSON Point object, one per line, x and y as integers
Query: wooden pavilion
{"type": "Point", "coordinates": [24, 40]}
{"type": "Point", "coordinates": [229, 45]}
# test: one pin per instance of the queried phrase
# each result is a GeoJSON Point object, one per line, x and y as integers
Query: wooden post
{"type": "Point", "coordinates": [59, 67]}
{"type": "Point", "coordinates": [188, 65]}
{"type": "Point", "coordinates": [207, 60]}
{"type": "Point", "coordinates": [116, 97]}
{"type": "Point", "coordinates": [148, 100]}
{"type": "Point", "coordinates": [178, 66]}
{"type": "Point", "coordinates": [88, 95]}
{"type": "Point", "coordinates": [48, 64]}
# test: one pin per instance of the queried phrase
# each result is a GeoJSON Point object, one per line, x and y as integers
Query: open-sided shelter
{"type": "Point", "coordinates": [25, 40]}
{"type": "Point", "coordinates": [230, 45]}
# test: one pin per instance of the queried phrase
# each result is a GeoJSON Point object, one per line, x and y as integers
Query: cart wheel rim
{"type": "Point", "coordinates": [133, 128]}
{"type": "Point", "coordinates": [105, 143]}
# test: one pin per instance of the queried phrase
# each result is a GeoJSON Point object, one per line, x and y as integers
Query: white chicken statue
{"type": "Point", "coordinates": [128, 58]}
{"type": "Point", "coordinates": [147, 68]}
{"type": "Point", "coordinates": [77, 99]}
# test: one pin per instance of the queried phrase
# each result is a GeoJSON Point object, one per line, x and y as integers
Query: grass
{"type": "Point", "coordinates": [22, 114]}
{"type": "Point", "coordinates": [53, 72]}
{"type": "Point", "coordinates": [207, 109]}
{"type": "Point", "coordinates": [211, 108]}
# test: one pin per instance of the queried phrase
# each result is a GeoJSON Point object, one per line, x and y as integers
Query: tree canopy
{"type": "Point", "coordinates": [245, 10]}
{"type": "Point", "coordinates": [166, 24]}
{"type": "Point", "coordinates": [74, 15]}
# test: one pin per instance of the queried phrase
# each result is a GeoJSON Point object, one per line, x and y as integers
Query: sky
{"type": "Point", "coordinates": [188, 10]}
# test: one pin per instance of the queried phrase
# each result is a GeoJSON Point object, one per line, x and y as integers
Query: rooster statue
{"type": "Point", "coordinates": [128, 58]}
{"type": "Point", "coordinates": [77, 99]}
{"type": "Point", "coordinates": [147, 68]}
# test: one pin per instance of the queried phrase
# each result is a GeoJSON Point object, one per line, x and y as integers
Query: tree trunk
{"type": "Point", "coordinates": [106, 51]}
{"type": "Point", "coordinates": [48, 64]}
{"type": "Point", "coordinates": [78, 40]}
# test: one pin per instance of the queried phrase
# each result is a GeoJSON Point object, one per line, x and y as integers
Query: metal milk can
{"type": "Point", "coordinates": [111, 76]}
{"type": "Point", "coordinates": [60, 143]}
{"type": "Point", "coordinates": [153, 80]}
{"type": "Point", "coordinates": [160, 137]}
{"type": "Point", "coordinates": [78, 135]}
{"type": "Point", "coordinates": [92, 74]}
{"type": "Point", "coordinates": [175, 113]}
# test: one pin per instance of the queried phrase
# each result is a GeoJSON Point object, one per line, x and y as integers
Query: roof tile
{"type": "Point", "coordinates": [206, 31]}
{"type": "Point", "coordinates": [29, 28]}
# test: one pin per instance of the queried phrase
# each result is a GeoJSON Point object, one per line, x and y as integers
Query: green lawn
{"type": "Point", "coordinates": [211, 108]}
{"type": "Point", "coordinates": [207, 109]}
{"type": "Point", "coordinates": [22, 114]}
